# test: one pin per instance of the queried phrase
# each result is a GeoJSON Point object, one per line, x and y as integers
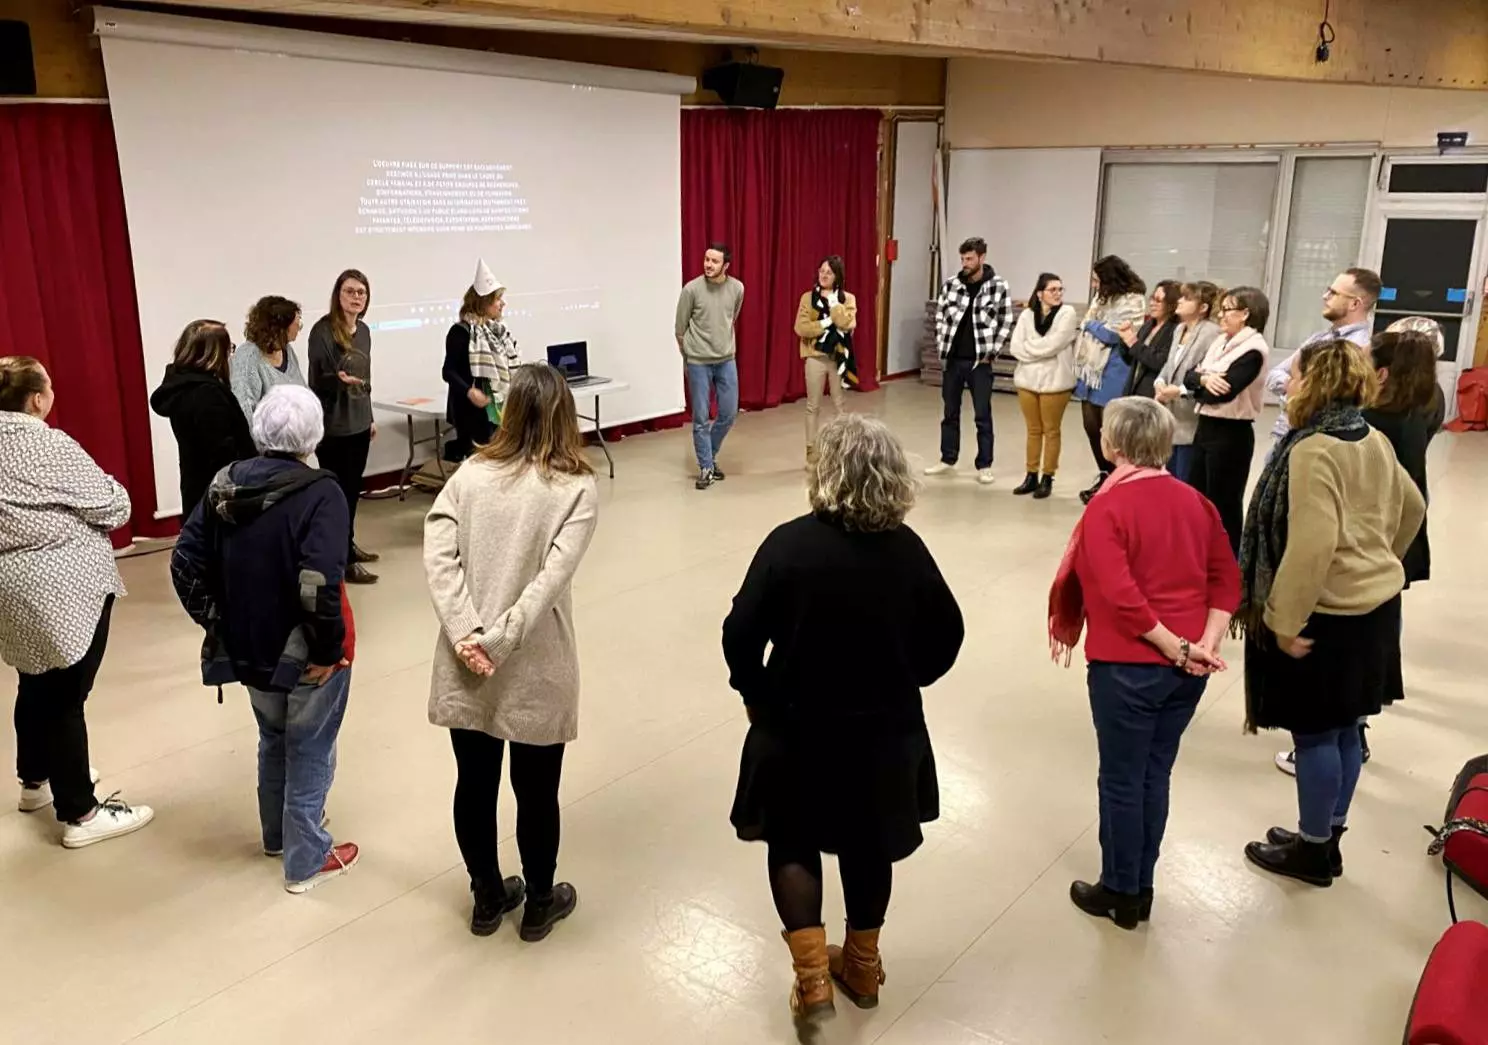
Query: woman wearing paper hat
{"type": "Point", "coordinates": [479, 356]}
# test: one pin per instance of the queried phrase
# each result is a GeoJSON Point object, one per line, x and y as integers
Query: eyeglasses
{"type": "Point", "coordinates": [354, 292]}
{"type": "Point", "coordinates": [1332, 293]}
{"type": "Point", "coordinates": [1232, 308]}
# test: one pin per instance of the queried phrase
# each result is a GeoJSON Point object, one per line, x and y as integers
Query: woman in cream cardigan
{"type": "Point", "coordinates": [501, 546]}
{"type": "Point", "coordinates": [1044, 346]}
{"type": "Point", "coordinates": [824, 322]}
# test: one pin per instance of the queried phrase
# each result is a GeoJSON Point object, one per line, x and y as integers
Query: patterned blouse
{"type": "Point", "coordinates": [56, 564]}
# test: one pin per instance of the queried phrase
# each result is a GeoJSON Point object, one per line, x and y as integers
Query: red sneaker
{"type": "Point", "coordinates": [342, 858]}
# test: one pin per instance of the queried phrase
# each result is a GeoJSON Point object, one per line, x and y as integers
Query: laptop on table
{"type": "Point", "coordinates": [571, 359]}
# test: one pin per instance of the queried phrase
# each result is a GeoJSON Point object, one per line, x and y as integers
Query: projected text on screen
{"type": "Point", "coordinates": [401, 197]}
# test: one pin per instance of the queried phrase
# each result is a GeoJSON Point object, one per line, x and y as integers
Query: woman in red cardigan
{"type": "Point", "coordinates": [1149, 569]}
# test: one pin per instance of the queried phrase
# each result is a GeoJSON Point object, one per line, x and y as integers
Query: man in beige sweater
{"type": "Point", "coordinates": [707, 310]}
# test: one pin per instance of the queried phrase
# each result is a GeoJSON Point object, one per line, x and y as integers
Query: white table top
{"type": "Point", "coordinates": [433, 406]}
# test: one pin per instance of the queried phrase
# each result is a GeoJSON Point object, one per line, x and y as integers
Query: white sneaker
{"type": "Point", "coordinates": [940, 468]}
{"type": "Point", "coordinates": [985, 477]}
{"type": "Point", "coordinates": [35, 799]}
{"type": "Point", "coordinates": [111, 820]}
{"type": "Point", "coordinates": [1286, 761]}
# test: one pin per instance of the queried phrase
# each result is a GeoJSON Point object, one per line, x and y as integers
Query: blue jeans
{"type": "Point", "coordinates": [703, 381]}
{"type": "Point", "coordinates": [1181, 463]}
{"type": "Point", "coordinates": [1140, 712]}
{"type": "Point", "coordinates": [296, 764]}
{"type": "Point", "coordinates": [1328, 767]}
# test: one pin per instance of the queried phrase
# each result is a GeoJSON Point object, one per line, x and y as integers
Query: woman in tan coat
{"type": "Point", "coordinates": [824, 323]}
{"type": "Point", "coordinates": [501, 546]}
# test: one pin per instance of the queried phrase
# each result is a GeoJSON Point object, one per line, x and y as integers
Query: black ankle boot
{"type": "Point", "coordinates": [1028, 485]}
{"type": "Point", "coordinates": [544, 912]}
{"type": "Point", "coordinates": [1045, 488]}
{"type": "Point", "coordinates": [1093, 489]}
{"type": "Point", "coordinates": [494, 901]}
{"type": "Point", "coordinates": [1281, 836]}
{"type": "Point", "coordinates": [1125, 909]}
{"type": "Point", "coordinates": [1145, 913]}
{"type": "Point", "coordinates": [1297, 858]}
{"type": "Point", "coordinates": [1363, 742]}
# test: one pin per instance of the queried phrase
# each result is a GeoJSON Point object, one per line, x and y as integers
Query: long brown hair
{"type": "Point", "coordinates": [21, 377]}
{"type": "Point", "coordinates": [339, 325]}
{"type": "Point", "coordinates": [269, 321]}
{"type": "Point", "coordinates": [475, 305]}
{"type": "Point", "coordinates": [1332, 372]}
{"type": "Point", "coordinates": [1410, 358]}
{"type": "Point", "coordinates": [539, 425]}
{"type": "Point", "coordinates": [204, 345]}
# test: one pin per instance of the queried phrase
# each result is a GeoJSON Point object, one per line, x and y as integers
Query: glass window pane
{"type": "Point", "coordinates": [1190, 221]}
{"type": "Point", "coordinates": [1326, 222]}
{"type": "Point", "coordinates": [1439, 177]}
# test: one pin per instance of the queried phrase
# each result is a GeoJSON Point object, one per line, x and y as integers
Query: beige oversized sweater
{"type": "Point", "coordinates": [1352, 511]}
{"type": "Point", "coordinates": [500, 551]}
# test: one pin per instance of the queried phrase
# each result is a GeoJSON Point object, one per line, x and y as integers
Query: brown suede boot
{"type": "Point", "coordinates": [812, 994]}
{"type": "Point", "coordinates": [857, 967]}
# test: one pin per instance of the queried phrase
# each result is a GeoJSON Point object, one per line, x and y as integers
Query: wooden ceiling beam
{"type": "Point", "coordinates": [1436, 43]}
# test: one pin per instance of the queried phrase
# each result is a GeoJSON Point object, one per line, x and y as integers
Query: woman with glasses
{"type": "Point", "coordinates": [1227, 386]}
{"type": "Point", "coordinates": [1196, 332]}
{"type": "Point", "coordinates": [341, 375]}
{"type": "Point", "coordinates": [1101, 369]}
{"type": "Point", "coordinates": [1044, 346]}
{"type": "Point", "coordinates": [1146, 349]}
{"type": "Point", "coordinates": [196, 397]}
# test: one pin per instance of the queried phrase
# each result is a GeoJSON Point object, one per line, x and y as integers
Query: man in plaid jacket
{"type": "Point", "coordinates": [973, 323]}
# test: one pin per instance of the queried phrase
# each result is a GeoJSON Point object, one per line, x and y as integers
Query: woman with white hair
{"type": "Point", "coordinates": [854, 721]}
{"type": "Point", "coordinates": [479, 356]}
{"type": "Point", "coordinates": [261, 565]}
{"type": "Point", "coordinates": [1149, 570]}
{"type": "Point", "coordinates": [58, 583]}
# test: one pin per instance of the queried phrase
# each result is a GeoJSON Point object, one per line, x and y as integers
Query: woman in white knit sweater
{"type": "Point", "coordinates": [501, 546]}
{"type": "Point", "coordinates": [1044, 346]}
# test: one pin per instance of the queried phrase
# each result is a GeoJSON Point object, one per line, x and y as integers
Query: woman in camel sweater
{"type": "Point", "coordinates": [1321, 575]}
{"type": "Point", "coordinates": [824, 322]}
{"type": "Point", "coordinates": [501, 547]}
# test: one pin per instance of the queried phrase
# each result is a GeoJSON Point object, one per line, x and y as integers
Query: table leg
{"type": "Point", "coordinates": [439, 450]}
{"type": "Point", "coordinates": [599, 434]}
{"type": "Point", "coordinates": [407, 465]}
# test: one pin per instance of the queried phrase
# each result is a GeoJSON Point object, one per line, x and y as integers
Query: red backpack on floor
{"type": "Point", "coordinates": [1462, 840]}
{"type": "Point", "coordinates": [1472, 401]}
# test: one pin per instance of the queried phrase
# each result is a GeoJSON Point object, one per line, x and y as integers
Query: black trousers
{"type": "Point", "coordinates": [1222, 451]}
{"type": "Point", "coordinates": [796, 884]}
{"type": "Point", "coordinates": [959, 375]}
{"type": "Point", "coordinates": [346, 457]}
{"type": "Point", "coordinates": [535, 772]}
{"type": "Point", "coordinates": [1093, 417]}
{"type": "Point", "coordinates": [51, 733]}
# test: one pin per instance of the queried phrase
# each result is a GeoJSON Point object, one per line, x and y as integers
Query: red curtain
{"type": "Point", "coordinates": [784, 189]}
{"type": "Point", "coordinates": [67, 288]}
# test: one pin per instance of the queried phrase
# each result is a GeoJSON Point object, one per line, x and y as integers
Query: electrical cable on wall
{"type": "Point", "coordinates": [1326, 35]}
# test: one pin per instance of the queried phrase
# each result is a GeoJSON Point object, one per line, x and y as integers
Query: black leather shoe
{"type": "Point", "coordinates": [356, 573]}
{"type": "Point", "coordinates": [1093, 489]}
{"type": "Point", "coordinates": [492, 903]}
{"type": "Point", "coordinates": [1125, 909]}
{"type": "Point", "coordinates": [543, 914]}
{"type": "Point", "coordinates": [1029, 484]}
{"type": "Point", "coordinates": [1305, 861]}
{"type": "Point", "coordinates": [360, 554]}
{"type": "Point", "coordinates": [1045, 488]}
{"type": "Point", "coordinates": [1281, 836]}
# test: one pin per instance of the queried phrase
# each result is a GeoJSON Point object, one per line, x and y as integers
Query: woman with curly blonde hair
{"type": "Point", "coordinates": [1321, 575]}
{"type": "Point", "coordinates": [820, 714]}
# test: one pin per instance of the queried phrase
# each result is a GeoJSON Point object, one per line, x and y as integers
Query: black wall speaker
{"type": "Point", "coordinates": [17, 66]}
{"type": "Point", "coordinates": [744, 85]}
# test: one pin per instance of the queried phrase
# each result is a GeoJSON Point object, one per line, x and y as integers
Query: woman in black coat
{"type": "Point", "coordinates": [1146, 348]}
{"type": "Point", "coordinates": [196, 397]}
{"type": "Point", "coordinates": [838, 758]}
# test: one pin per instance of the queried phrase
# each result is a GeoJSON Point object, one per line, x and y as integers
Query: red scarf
{"type": "Point", "coordinates": [1066, 599]}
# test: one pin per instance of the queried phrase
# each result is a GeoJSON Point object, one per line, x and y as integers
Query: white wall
{"type": "Point", "coordinates": [1036, 209]}
{"type": "Point", "coordinates": [914, 216]}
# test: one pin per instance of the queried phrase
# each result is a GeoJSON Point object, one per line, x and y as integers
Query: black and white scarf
{"type": "Point", "coordinates": [837, 345]}
{"type": "Point", "coordinates": [1263, 540]}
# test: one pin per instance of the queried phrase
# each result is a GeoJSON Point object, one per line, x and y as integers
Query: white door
{"type": "Point", "coordinates": [910, 284]}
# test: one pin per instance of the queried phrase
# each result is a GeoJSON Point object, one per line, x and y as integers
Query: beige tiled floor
{"type": "Point", "coordinates": [182, 934]}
